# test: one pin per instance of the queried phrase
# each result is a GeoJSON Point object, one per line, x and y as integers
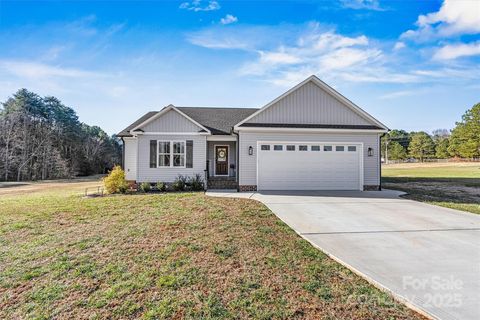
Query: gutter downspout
{"type": "Point", "coordinates": [237, 174]}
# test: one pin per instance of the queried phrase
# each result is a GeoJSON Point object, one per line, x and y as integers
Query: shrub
{"type": "Point", "coordinates": [196, 183]}
{"type": "Point", "coordinates": [179, 183]}
{"type": "Point", "coordinates": [161, 186]}
{"type": "Point", "coordinates": [145, 186]}
{"type": "Point", "coordinates": [115, 181]}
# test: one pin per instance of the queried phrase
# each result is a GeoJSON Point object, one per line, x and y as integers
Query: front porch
{"type": "Point", "coordinates": [221, 167]}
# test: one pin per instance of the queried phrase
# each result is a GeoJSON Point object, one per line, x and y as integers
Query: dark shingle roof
{"type": "Point", "coordinates": [310, 126]}
{"type": "Point", "coordinates": [126, 132]}
{"type": "Point", "coordinates": [218, 120]}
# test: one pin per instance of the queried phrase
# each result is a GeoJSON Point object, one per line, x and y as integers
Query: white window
{"type": "Point", "coordinates": [178, 154]}
{"type": "Point", "coordinates": [302, 148]}
{"type": "Point", "coordinates": [327, 148]}
{"type": "Point", "coordinates": [278, 147]}
{"type": "Point", "coordinates": [171, 154]}
{"type": "Point", "coordinates": [164, 153]}
{"type": "Point", "coordinates": [339, 148]}
{"type": "Point", "coordinates": [315, 148]}
{"type": "Point", "coordinates": [265, 147]}
{"type": "Point", "coordinates": [352, 148]}
{"type": "Point", "coordinates": [290, 147]}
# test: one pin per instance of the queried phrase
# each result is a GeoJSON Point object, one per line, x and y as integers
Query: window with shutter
{"type": "Point", "coordinates": [189, 156]}
{"type": "Point", "coordinates": [153, 153]}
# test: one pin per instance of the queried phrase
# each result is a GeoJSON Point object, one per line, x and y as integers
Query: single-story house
{"type": "Point", "coordinates": [309, 138]}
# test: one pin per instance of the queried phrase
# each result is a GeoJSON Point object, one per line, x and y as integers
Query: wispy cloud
{"type": "Point", "coordinates": [454, 51]}
{"type": "Point", "coordinates": [228, 19]}
{"type": "Point", "coordinates": [199, 5]}
{"type": "Point", "coordinates": [362, 4]}
{"type": "Point", "coordinates": [37, 70]}
{"type": "Point", "coordinates": [397, 94]}
{"type": "Point", "coordinates": [455, 17]}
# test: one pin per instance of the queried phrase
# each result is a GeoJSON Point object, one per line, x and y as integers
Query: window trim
{"type": "Point", "coordinates": [171, 153]}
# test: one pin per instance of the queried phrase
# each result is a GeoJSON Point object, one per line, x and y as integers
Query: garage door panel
{"type": "Point", "coordinates": [308, 170]}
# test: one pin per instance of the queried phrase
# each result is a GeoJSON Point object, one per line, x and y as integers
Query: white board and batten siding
{"type": "Point", "coordinates": [249, 172]}
{"type": "Point", "coordinates": [309, 104]}
{"type": "Point", "coordinates": [171, 121]}
{"type": "Point", "coordinates": [130, 159]}
{"type": "Point", "coordinates": [147, 174]}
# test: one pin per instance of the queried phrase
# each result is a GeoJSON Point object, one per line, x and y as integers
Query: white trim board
{"type": "Point", "coordinates": [306, 130]}
{"type": "Point", "coordinates": [325, 87]}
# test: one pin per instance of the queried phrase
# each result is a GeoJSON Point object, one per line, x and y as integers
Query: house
{"type": "Point", "coordinates": [309, 138]}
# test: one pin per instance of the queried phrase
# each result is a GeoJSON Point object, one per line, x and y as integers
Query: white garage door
{"type": "Point", "coordinates": [309, 166]}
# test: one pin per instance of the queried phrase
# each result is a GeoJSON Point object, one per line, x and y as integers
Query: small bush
{"type": "Point", "coordinates": [161, 186]}
{"type": "Point", "coordinates": [196, 183]}
{"type": "Point", "coordinates": [115, 181]}
{"type": "Point", "coordinates": [179, 183]}
{"type": "Point", "coordinates": [145, 186]}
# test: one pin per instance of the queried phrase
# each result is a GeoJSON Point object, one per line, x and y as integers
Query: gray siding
{"type": "Point", "coordinates": [309, 104]}
{"type": "Point", "coordinates": [172, 121]}
{"type": "Point", "coordinates": [231, 155]}
{"type": "Point", "coordinates": [130, 165]}
{"type": "Point", "coordinates": [145, 173]}
{"type": "Point", "coordinates": [248, 164]}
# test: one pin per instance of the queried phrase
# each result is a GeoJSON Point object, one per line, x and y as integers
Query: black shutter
{"type": "Point", "coordinates": [189, 155]}
{"type": "Point", "coordinates": [153, 153]}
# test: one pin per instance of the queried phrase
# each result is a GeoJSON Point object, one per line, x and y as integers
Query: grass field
{"type": "Point", "coordinates": [162, 256]}
{"type": "Point", "coordinates": [452, 185]}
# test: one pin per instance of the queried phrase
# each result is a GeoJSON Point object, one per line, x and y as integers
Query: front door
{"type": "Point", "coordinates": [221, 160]}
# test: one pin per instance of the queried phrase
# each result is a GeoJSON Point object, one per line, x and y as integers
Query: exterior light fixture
{"type": "Point", "coordinates": [250, 151]}
{"type": "Point", "coordinates": [370, 152]}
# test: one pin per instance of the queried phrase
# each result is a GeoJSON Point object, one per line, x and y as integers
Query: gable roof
{"type": "Point", "coordinates": [126, 132]}
{"type": "Point", "coordinates": [326, 88]}
{"type": "Point", "coordinates": [217, 121]}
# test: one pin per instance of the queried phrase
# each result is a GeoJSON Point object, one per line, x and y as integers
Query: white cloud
{"type": "Point", "coordinates": [228, 19]}
{"type": "Point", "coordinates": [399, 45]}
{"type": "Point", "coordinates": [397, 94]}
{"type": "Point", "coordinates": [362, 4]}
{"type": "Point", "coordinates": [454, 51]}
{"type": "Point", "coordinates": [197, 5]}
{"type": "Point", "coordinates": [36, 70]}
{"type": "Point", "coordinates": [455, 17]}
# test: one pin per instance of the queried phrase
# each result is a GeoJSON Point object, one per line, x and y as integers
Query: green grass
{"type": "Point", "coordinates": [455, 186]}
{"type": "Point", "coordinates": [447, 172]}
{"type": "Point", "coordinates": [168, 256]}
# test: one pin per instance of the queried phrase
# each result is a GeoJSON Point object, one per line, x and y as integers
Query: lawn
{"type": "Point", "coordinates": [451, 185]}
{"type": "Point", "coordinates": [161, 256]}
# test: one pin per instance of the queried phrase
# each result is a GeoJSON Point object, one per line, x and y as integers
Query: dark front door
{"type": "Point", "coordinates": [221, 160]}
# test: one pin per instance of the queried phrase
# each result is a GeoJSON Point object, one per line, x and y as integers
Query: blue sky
{"type": "Point", "coordinates": [412, 64]}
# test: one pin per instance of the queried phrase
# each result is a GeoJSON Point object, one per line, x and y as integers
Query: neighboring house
{"type": "Point", "coordinates": [309, 138]}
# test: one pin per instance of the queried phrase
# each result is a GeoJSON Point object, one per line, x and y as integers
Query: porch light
{"type": "Point", "coordinates": [250, 151]}
{"type": "Point", "coordinates": [370, 152]}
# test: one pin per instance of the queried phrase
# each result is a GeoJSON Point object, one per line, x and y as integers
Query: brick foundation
{"type": "Point", "coordinates": [371, 188]}
{"type": "Point", "coordinates": [247, 188]}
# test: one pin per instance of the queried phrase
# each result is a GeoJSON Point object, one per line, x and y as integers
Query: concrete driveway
{"type": "Point", "coordinates": [427, 256]}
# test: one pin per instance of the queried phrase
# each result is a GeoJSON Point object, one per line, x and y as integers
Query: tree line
{"type": "Point", "coordinates": [461, 142]}
{"type": "Point", "coordinates": [41, 138]}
